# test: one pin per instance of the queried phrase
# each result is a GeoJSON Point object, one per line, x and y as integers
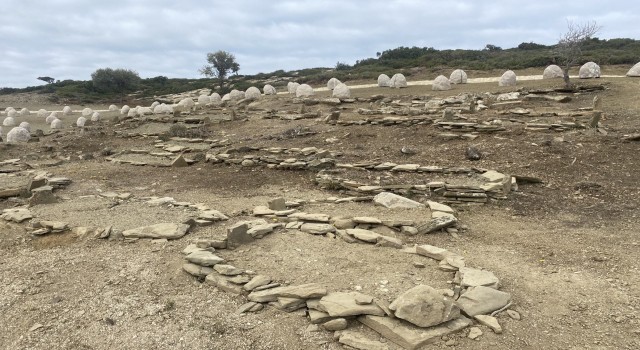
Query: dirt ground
{"type": "Point", "coordinates": [566, 249]}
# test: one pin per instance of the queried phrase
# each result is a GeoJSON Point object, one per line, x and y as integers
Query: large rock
{"type": "Point", "coordinates": [18, 134]}
{"type": "Point", "coordinates": [238, 235]}
{"type": "Point", "coordinates": [392, 201]}
{"type": "Point", "coordinates": [482, 300]}
{"type": "Point", "coordinates": [252, 93]}
{"type": "Point", "coordinates": [344, 304]}
{"type": "Point", "coordinates": [634, 71]}
{"type": "Point", "coordinates": [441, 83]}
{"type": "Point", "coordinates": [425, 306]}
{"type": "Point", "coordinates": [552, 71]}
{"type": "Point", "coordinates": [202, 100]}
{"type": "Point", "coordinates": [162, 230]}
{"type": "Point", "coordinates": [215, 98]}
{"type": "Point", "coordinates": [269, 90]}
{"type": "Point", "coordinates": [304, 291]}
{"type": "Point", "coordinates": [56, 124]}
{"type": "Point", "coordinates": [341, 91]}
{"type": "Point", "coordinates": [236, 95]}
{"type": "Point", "coordinates": [81, 121]}
{"type": "Point", "coordinates": [409, 336]}
{"type": "Point", "coordinates": [508, 79]}
{"type": "Point", "coordinates": [398, 81]}
{"type": "Point", "coordinates": [292, 87]}
{"type": "Point", "coordinates": [470, 277]}
{"type": "Point", "coordinates": [384, 80]}
{"type": "Point", "coordinates": [332, 83]}
{"type": "Point", "coordinates": [86, 112]}
{"type": "Point", "coordinates": [304, 90]}
{"type": "Point", "coordinates": [589, 70]}
{"type": "Point", "coordinates": [9, 121]}
{"type": "Point", "coordinates": [458, 76]}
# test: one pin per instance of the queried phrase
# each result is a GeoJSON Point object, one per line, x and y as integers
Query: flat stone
{"type": "Point", "coordinates": [343, 304]}
{"type": "Point", "coordinates": [364, 235]}
{"type": "Point", "coordinates": [266, 286]}
{"type": "Point", "coordinates": [304, 291]}
{"type": "Point", "coordinates": [318, 317]}
{"type": "Point", "coordinates": [338, 324]}
{"type": "Point", "coordinates": [54, 226]}
{"type": "Point", "coordinates": [490, 322]}
{"type": "Point", "coordinates": [277, 204]}
{"type": "Point", "coordinates": [262, 210]}
{"type": "Point", "coordinates": [223, 284]}
{"type": "Point", "coordinates": [288, 304]}
{"type": "Point", "coordinates": [406, 167]}
{"type": "Point", "coordinates": [436, 224]}
{"type": "Point", "coordinates": [409, 230]}
{"type": "Point", "coordinates": [482, 300]}
{"type": "Point", "coordinates": [474, 333]}
{"type": "Point", "coordinates": [493, 176]}
{"type": "Point", "coordinates": [162, 230]}
{"type": "Point", "coordinates": [196, 270]}
{"type": "Point", "coordinates": [367, 220]}
{"type": "Point", "coordinates": [257, 281]}
{"type": "Point", "coordinates": [259, 231]}
{"type": "Point", "coordinates": [238, 234]}
{"type": "Point", "coordinates": [204, 258]}
{"type": "Point", "coordinates": [433, 252]}
{"type": "Point", "coordinates": [359, 341]}
{"type": "Point", "coordinates": [179, 162]}
{"type": "Point", "coordinates": [248, 307]}
{"type": "Point", "coordinates": [435, 206]}
{"type": "Point", "coordinates": [16, 214]}
{"type": "Point", "coordinates": [393, 201]}
{"type": "Point", "coordinates": [239, 279]}
{"type": "Point", "coordinates": [227, 270]}
{"type": "Point", "coordinates": [42, 195]}
{"type": "Point", "coordinates": [387, 241]}
{"type": "Point", "coordinates": [470, 277]}
{"type": "Point", "coordinates": [452, 263]}
{"type": "Point", "coordinates": [212, 215]}
{"type": "Point", "coordinates": [409, 336]}
{"type": "Point", "coordinates": [317, 229]}
{"type": "Point", "coordinates": [343, 223]}
{"type": "Point", "coordinates": [310, 217]}
{"type": "Point", "coordinates": [514, 314]}
{"type": "Point", "coordinates": [425, 306]}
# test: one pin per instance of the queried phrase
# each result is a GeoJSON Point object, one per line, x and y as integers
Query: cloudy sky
{"type": "Point", "coordinates": [69, 39]}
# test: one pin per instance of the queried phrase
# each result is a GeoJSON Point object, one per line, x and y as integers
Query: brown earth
{"type": "Point", "coordinates": [567, 249]}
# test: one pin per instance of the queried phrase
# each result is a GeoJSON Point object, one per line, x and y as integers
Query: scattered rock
{"type": "Point", "coordinates": [162, 230]}
{"type": "Point", "coordinates": [490, 322]}
{"type": "Point", "coordinates": [472, 153]}
{"type": "Point", "coordinates": [204, 258]}
{"type": "Point", "coordinates": [514, 314]}
{"type": "Point", "coordinates": [470, 277]}
{"type": "Point", "coordinates": [338, 324]}
{"type": "Point", "coordinates": [474, 333]}
{"type": "Point", "coordinates": [305, 291]}
{"type": "Point", "coordinates": [482, 300]}
{"type": "Point", "coordinates": [17, 215]}
{"type": "Point", "coordinates": [359, 341]}
{"type": "Point", "coordinates": [425, 306]}
{"type": "Point", "coordinates": [343, 304]}
{"type": "Point", "coordinates": [392, 201]}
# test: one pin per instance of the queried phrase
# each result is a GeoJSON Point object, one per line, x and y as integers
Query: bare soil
{"type": "Point", "coordinates": [566, 249]}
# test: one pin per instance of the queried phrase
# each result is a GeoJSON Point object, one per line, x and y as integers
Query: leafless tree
{"type": "Point", "coordinates": [569, 49]}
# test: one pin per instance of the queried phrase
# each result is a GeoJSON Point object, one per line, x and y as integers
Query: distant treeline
{"type": "Point", "coordinates": [401, 59]}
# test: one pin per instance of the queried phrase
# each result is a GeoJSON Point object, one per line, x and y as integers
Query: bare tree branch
{"type": "Point", "coordinates": [569, 48]}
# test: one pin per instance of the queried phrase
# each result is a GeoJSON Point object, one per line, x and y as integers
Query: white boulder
{"type": "Point", "coordinates": [144, 110]}
{"type": "Point", "coordinates": [398, 81]}
{"type": "Point", "coordinates": [18, 134]}
{"type": "Point", "coordinates": [51, 117]}
{"type": "Point", "coordinates": [9, 121]}
{"type": "Point", "coordinates": [215, 98]}
{"type": "Point", "coordinates": [86, 112]}
{"type": "Point", "coordinates": [458, 76]}
{"type": "Point", "coordinates": [253, 93]}
{"type": "Point", "coordinates": [204, 100]}
{"type": "Point", "coordinates": [236, 95]}
{"type": "Point", "coordinates": [160, 109]}
{"type": "Point", "coordinates": [81, 121]}
{"type": "Point", "coordinates": [125, 109]}
{"type": "Point", "coordinates": [634, 71]}
{"type": "Point", "coordinates": [66, 110]}
{"type": "Point", "coordinates": [95, 117]}
{"type": "Point", "coordinates": [508, 79]}
{"type": "Point", "coordinates": [332, 83]}
{"type": "Point", "coordinates": [154, 104]}
{"type": "Point", "coordinates": [589, 70]}
{"type": "Point", "coordinates": [553, 71]}
{"type": "Point", "coordinates": [441, 83]}
{"type": "Point", "coordinates": [187, 103]}
{"type": "Point", "coordinates": [6, 110]}
{"type": "Point", "coordinates": [341, 91]}
{"type": "Point", "coordinates": [384, 80]}
{"type": "Point", "coordinates": [25, 125]}
{"type": "Point", "coordinates": [24, 112]}
{"type": "Point", "coordinates": [56, 124]}
{"type": "Point", "coordinates": [113, 108]}
{"type": "Point", "coordinates": [226, 97]}
{"type": "Point", "coordinates": [269, 90]}
{"type": "Point", "coordinates": [42, 113]}
{"type": "Point", "coordinates": [292, 87]}
{"type": "Point", "coordinates": [132, 112]}
{"type": "Point", "coordinates": [12, 113]}
{"type": "Point", "coordinates": [304, 90]}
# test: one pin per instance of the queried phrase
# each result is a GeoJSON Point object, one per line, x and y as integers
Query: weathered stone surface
{"type": "Point", "coordinates": [277, 204]}
{"type": "Point", "coordinates": [204, 258]}
{"type": "Point", "coordinates": [343, 304]}
{"type": "Point", "coordinates": [12, 192]}
{"type": "Point", "coordinates": [364, 235]}
{"type": "Point", "coordinates": [359, 341]}
{"type": "Point", "coordinates": [338, 324]}
{"type": "Point", "coordinates": [317, 229]}
{"type": "Point", "coordinates": [304, 90]}
{"type": "Point", "coordinates": [342, 91]}
{"type": "Point", "coordinates": [250, 307]}
{"type": "Point", "coordinates": [238, 235]}
{"type": "Point", "coordinates": [387, 241]}
{"type": "Point", "coordinates": [474, 333]}
{"type": "Point", "coordinates": [227, 270]}
{"type": "Point", "coordinates": [392, 201]}
{"type": "Point", "coordinates": [260, 230]}
{"type": "Point", "coordinates": [332, 83]}
{"type": "Point", "coordinates": [343, 223]}
{"type": "Point", "coordinates": [552, 71]}
{"type": "Point", "coordinates": [223, 284]}
{"type": "Point", "coordinates": [493, 176]}
{"type": "Point", "coordinates": [16, 214]}
{"type": "Point", "coordinates": [482, 300]}
{"type": "Point", "coordinates": [318, 317]}
{"type": "Point", "coordinates": [437, 223]}
{"type": "Point", "coordinates": [634, 71]}
{"type": "Point", "coordinates": [490, 322]}
{"type": "Point", "coordinates": [589, 70]}
{"type": "Point", "coordinates": [433, 252]}
{"type": "Point", "coordinates": [179, 162]}
{"type": "Point", "coordinates": [508, 79]}
{"type": "Point", "coordinates": [162, 230]}
{"type": "Point", "coordinates": [288, 304]}
{"type": "Point", "coordinates": [367, 220]}
{"type": "Point", "coordinates": [384, 80]}
{"type": "Point", "coordinates": [470, 277]}
{"type": "Point", "coordinates": [398, 81]}
{"type": "Point", "coordinates": [196, 270]}
{"type": "Point", "coordinates": [441, 83]}
{"type": "Point", "coordinates": [257, 281]}
{"type": "Point", "coordinates": [406, 167]}
{"type": "Point", "coordinates": [409, 336]}
{"type": "Point", "coordinates": [435, 206]}
{"type": "Point", "coordinates": [310, 217]}
{"type": "Point", "coordinates": [425, 306]}
{"type": "Point", "coordinates": [304, 291]}
{"type": "Point", "coordinates": [458, 76]}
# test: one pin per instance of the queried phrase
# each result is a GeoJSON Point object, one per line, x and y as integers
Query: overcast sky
{"type": "Point", "coordinates": [69, 39]}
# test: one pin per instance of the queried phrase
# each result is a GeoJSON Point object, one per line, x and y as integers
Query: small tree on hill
{"type": "Point", "coordinates": [569, 49]}
{"type": "Point", "coordinates": [118, 80]}
{"type": "Point", "coordinates": [220, 64]}
{"type": "Point", "coordinates": [48, 80]}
